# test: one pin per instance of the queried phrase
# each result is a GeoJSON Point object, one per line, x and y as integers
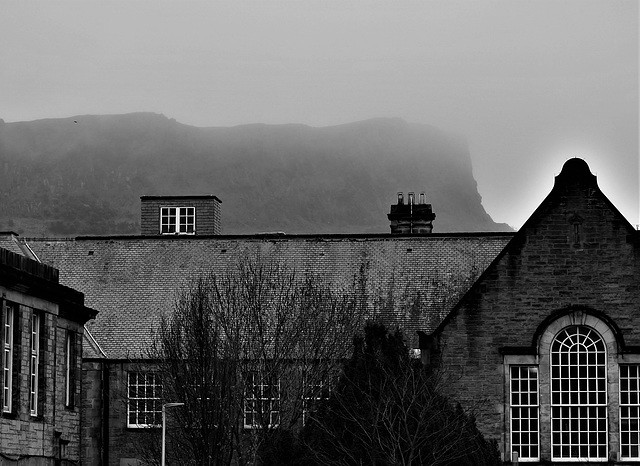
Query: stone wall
{"type": "Point", "coordinates": [54, 433]}
{"type": "Point", "coordinates": [124, 444]}
{"type": "Point", "coordinates": [92, 412]}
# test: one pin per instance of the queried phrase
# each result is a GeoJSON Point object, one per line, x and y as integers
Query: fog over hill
{"type": "Point", "coordinates": [85, 174]}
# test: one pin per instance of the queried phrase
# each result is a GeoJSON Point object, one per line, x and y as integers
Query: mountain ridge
{"type": "Point", "coordinates": [85, 174]}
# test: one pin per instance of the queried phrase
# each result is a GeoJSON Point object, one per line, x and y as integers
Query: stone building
{"type": "Point", "coordinates": [538, 330]}
{"type": "Point", "coordinates": [42, 325]}
{"type": "Point", "coordinates": [546, 343]}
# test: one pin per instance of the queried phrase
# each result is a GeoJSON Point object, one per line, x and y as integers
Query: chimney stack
{"type": "Point", "coordinates": [411, 218]}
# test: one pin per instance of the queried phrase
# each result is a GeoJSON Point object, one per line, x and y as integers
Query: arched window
{"type": "Point", "coordinates": [579, 395]}
{"type": "Point", "coordinates": [576, 398]}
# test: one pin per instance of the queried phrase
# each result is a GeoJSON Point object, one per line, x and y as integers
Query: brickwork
{"type": "Point", "coordinates": [550, 266]}
{"type": "Point", "coordinates": [207, 208]}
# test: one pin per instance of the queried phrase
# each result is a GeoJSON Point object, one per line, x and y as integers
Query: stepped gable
{"type": "Point", "coordinates": [133, 280]}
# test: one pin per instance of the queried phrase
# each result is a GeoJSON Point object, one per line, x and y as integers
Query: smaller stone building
{"type": "Point", "coordinates": [180, 215]}
{"type": "Point", "coordinates": [42, 326]}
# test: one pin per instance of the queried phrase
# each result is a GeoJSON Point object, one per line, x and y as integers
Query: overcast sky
{"type": "Point", "coordinates": [528, 83]}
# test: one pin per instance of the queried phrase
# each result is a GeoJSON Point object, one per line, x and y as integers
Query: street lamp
{"type": "Point", "coordinates": [164, 406]}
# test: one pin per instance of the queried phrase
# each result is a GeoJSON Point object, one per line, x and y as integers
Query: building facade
{"type": "Point", "coordinates": [537, 331]}
{"type": "Point", "coordinates": [42, 325]}
{"type": "Point", "coordinates": [546, 343]}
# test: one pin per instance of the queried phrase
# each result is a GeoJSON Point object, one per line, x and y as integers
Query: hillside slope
{"type": "Point", "coordinates": [85, 174]}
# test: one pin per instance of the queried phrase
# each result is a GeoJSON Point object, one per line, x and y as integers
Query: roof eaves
{"type": "Point", "coordinates": [284, 236]}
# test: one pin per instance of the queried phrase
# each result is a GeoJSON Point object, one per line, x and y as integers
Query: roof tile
{"type": "Point", "coordinates": [410, 281]}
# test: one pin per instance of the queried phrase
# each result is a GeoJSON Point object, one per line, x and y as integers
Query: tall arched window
{"type": "Point", "coordinates": [579, 395]}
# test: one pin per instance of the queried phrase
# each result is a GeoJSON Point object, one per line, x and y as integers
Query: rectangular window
{"type": "Point", "coordinates": [314, 392]}
{"type": "Point", "coordinates": [525, 412]}
{"type": "Point", "coordinates": [8, 319]}
{"type": "Point", "coordinates": [34, 367]}
{"type": "Point", "coordinates": [145, 404]}
{"type": "Point", "coordinates": [630, 412]}
{"type": "Point", "coordinates": [70, 369]}
{"type": "Point", "coordinates": [178, 220]}
{"type": "Point", "coordinates": [262, 401]}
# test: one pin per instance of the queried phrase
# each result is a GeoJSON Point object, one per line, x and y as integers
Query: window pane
{"type": "Point", "coordinates": [7, 359]}
{"type": "Point", "coordinates": [524, 411]}
{"type": "Point", "coordinates": [629, 412]}
{"type": "Point", "coordinates": [262, 398]}
{"type": "Point", "coordinates": [578, 395]}
{"type": "Point", "coordinates": [144, 405]}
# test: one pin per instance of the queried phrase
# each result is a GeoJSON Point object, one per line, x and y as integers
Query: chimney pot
{"type": "Point", "coordinates": [411, 218]}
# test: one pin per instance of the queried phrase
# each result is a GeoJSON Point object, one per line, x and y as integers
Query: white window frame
{"type": "Point", "coordinates": [69, 385]}
{"type": "Point", "coordinates": [8, 320]}
{"type": "Point", "coordinates": [315, 391]}
{"type": "Point", "coordinates": [34, 366]}
{"type": "Point", "coordinates": [542, 358]}
{"type": "Point", "coordinates": [175, 220]}
{"type": "Point", "coordinates": [629, 407]}
{"type": "Point", "coordinates": [524, 404]}
{"type": "Point", "coordinates": [144, 391]}
{"type": "Point", "coordinates": [578, 364]}
{"type": "Point", "coordinates": [260, 399]}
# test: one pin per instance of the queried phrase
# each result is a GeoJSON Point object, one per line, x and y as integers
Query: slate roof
{"type": "Point", "coordinates": [132, 280]}
{"type": "Point", "coordinates": [20, 269]}
{"type": "Point", "coordinates": [9, 241]}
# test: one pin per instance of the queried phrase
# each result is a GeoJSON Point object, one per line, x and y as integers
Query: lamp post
{"type": "Point", "coordinates": [164, 429]}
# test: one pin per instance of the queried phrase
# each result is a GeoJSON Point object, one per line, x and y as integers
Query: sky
{"type": "Point", "coordinates": [528, 83]}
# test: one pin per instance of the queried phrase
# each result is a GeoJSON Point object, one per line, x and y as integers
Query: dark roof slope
{"type": "Point", "coordinates": [132, 280]}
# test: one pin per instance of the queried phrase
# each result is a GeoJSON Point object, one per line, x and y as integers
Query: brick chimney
{"type": "Point", "coordinates": [180, 215]}
{"type": "Point", "coordinates": [411, 218]}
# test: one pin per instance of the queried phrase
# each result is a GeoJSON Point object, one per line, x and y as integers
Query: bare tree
{"type": "Point", "coordinates": [388, 409]}
{"type": "Point", "coordinates": [248, 351]}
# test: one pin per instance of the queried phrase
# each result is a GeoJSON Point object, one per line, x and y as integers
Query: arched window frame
{"type": "Point", "coordinates": [583, 319]}
{"type": "Point", "coordinates": [539, 356]}
{"type": "Point", "coordinates": [579, 395]}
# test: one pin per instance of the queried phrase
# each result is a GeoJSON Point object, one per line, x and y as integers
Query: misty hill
{"type": "Point", "coordinates": [85, 174]}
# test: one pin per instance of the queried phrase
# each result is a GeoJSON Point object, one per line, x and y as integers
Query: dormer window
{"type": "Point", "coordinates": [176, 215]}
{"type": "Point", "coordinates": [177, 220]}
